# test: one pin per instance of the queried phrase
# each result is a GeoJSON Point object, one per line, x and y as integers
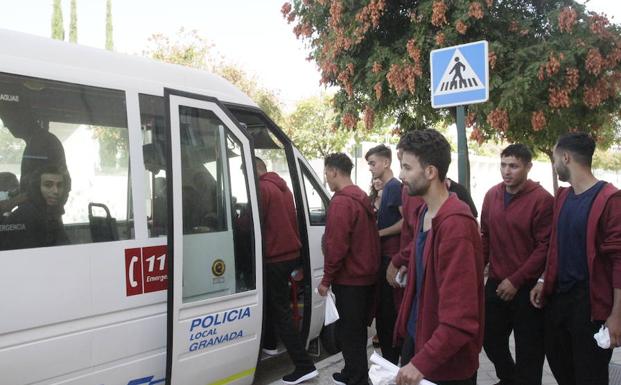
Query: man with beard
{"type": "Point", "coordinates": [515, 228]}
{"type": "Point", "coordinates": [442, 309]}
{"type": "Point", "coordinates": [37, 222]}
{"type": "Point", "coordinates": [351, 263]}
{"type": "Point", "coordinates": [581, 285]}
{"type": "Point", "coordinates": [389, 221]}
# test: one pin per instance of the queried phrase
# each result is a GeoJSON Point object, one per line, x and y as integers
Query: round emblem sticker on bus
{"type": "Point", "coordinates": [218, 268]}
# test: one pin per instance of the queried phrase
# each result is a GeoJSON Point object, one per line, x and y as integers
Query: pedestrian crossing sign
{"type": "Point", "coordinates": [459, 75]}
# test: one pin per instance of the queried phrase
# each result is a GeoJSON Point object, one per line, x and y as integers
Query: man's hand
{"type": "Point", "coordinates": [391, 274]}
{"type": "Point", "coordinates": [402, 274]}
{"type": "Point", "coordinates": [536, 295]}
{"type": "Point", "coordinates": [409, 375]}
{"type": "Point", "coordinates": [506, 291]}
{"type": "Point", "coordinates": [613, 323]}
{"type": "Point", "coordinates": [323, 290]}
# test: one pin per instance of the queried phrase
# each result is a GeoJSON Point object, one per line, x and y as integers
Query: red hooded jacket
{"type": "Point", "coordinates": [410, 206]}
{"type": "Point", "coordinates": [449, 330]}
{"type": "Point", "coordinates": [351, 240]}
{"type": "Point", "coordinates": [280, 226]}
{"type": "Point", "coordinates": [515, 238]}
{"type": "Point", "coordinates": [603, 249]}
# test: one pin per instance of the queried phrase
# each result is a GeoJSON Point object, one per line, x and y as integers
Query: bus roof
{"type": "Point", "coordinates": [55, 52]}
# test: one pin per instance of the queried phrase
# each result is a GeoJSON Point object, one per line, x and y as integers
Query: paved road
{"type": "Point", "coordinates": [272, 369]}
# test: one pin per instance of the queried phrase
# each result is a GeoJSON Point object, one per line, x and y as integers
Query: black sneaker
{"type": "Point", "coordinates": [300, 375]}
{"type": "Point", "coordinates": [339, 379]}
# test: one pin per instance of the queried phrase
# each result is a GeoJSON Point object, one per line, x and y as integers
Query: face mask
{"type": "Point", "coordinates": [4, 195]}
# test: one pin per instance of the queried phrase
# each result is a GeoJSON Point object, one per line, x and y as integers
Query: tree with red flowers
{"type": "Point", "coordinates": [554, 66]}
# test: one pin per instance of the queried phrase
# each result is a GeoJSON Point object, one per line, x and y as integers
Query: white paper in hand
{"type": "Point", "coordinates": [384, 372]}
{"type": "Point", "coordinates": [332, 315]}
{"type": "Point", "coordinates": [602, 337]}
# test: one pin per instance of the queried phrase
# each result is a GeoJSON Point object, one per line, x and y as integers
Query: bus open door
{"type": "Point", "coordinates": [214, 307]}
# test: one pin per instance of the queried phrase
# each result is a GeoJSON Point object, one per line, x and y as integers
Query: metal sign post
{"type": "Point", "coordinates": [460, 76]}
{"type": "Point", "coordinates": [463, 164]}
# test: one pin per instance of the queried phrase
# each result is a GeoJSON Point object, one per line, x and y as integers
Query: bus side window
{"type": "Point", "coordinates": [74, 138]}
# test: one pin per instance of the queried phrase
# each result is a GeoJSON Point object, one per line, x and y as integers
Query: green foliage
{"type": "Point", "coordinates": [109, 34]}
{"type": "Point", "coordinates": [312, 129]}
{"type": "Point", "coordinates": [190, 49]}
{"type": "Point", "coordinates": [607, 160]}
{"type": "Point", "coordinates": [264, 97]}
{"type": "Point", "coordinates": [554, 67]}
{"type": "Point", "coordinates": [113, 146]}
{"type": "Point", "coordinates": [187, 48]}
{"type": "Point", "coordinates": [12, 147]}
{"type": "Point", "coordinates": [73, 23]}
{"type": "Point", "coordinates": [58, 28]}
{"type": "Point", "coordinates": [311, 126]}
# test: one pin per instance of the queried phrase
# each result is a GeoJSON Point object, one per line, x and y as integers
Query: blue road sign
{"type": "Point", "coordinates": [459, 75]}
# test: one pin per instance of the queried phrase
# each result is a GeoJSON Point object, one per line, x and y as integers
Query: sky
{"type": "Point", "coordinates": [249, 33]}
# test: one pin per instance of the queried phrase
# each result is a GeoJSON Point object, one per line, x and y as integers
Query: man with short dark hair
{"type": "Point", "coordinates": [282, 252]}
{"type": "Point", "coordinates": [389, 221]}
{"type": "Point", "coordinates": [515, 228]}
{"type": "Point", "coordinates": [37, 222]}
{"type": "Point", "coordinates": [442, 309]}
{"type": "Point", "coordinates": [351, 263]}
{"type": "Point", "coordinates": [581, 285]}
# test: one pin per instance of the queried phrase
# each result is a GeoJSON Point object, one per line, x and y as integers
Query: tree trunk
{"type": "Point", "coordinates": [548, 152]}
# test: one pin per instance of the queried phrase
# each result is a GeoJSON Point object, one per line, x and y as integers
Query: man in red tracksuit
{"type": "Point", "coordinates": [389, 222]}
{"type": "Point", "coordinates": [282, 251]}
{"type": "Point", "coordinates": [399, 260]}
{"type": "Point", "coordinates": [442, 309]}
{"type": "Point", "coordinates": [515, 228]}
{"type": "Point", "coordinates": [351, 264]}
{"type": "Point", "coordinates": [581, 285]}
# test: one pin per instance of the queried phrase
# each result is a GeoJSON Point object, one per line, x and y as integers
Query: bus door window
{"type": "Point", "coordinates": [217, 224]}
{"type": "Point", "coordinates": [315, 200]}
{"type": "Point", "coordinates": [153, 127]}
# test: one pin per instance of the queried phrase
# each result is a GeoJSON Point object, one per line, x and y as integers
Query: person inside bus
{"type": "Point", "coordinates": [282, 255]}
{"type": "Point", "coordinates": [42, 147]}
{"type": "Point", "coordinates": [199, 192]}
{"type": "Point", "coordinates": [9, 189]}
{"type": "Point", "coordinates": [37, 222]}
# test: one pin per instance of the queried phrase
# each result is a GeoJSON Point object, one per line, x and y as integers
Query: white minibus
{"type": "Point", "coordinates": [152, 271]}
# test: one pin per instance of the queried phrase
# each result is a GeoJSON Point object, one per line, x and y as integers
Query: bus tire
{"type": "Point", "coordinates": [329, 339]}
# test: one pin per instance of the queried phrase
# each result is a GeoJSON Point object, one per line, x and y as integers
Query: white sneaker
{"type": "Point", "coordinates": [270, 352]}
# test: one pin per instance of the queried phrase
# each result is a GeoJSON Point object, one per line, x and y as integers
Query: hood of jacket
{"type": "Point", "coordinates": [359, 196]}
{"type": "Point", "coordinates": [275, 179]}
{"type": "Point", "coordinates": [35, 196]}
{"type": "Point", "coordinates": [452, 206]}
